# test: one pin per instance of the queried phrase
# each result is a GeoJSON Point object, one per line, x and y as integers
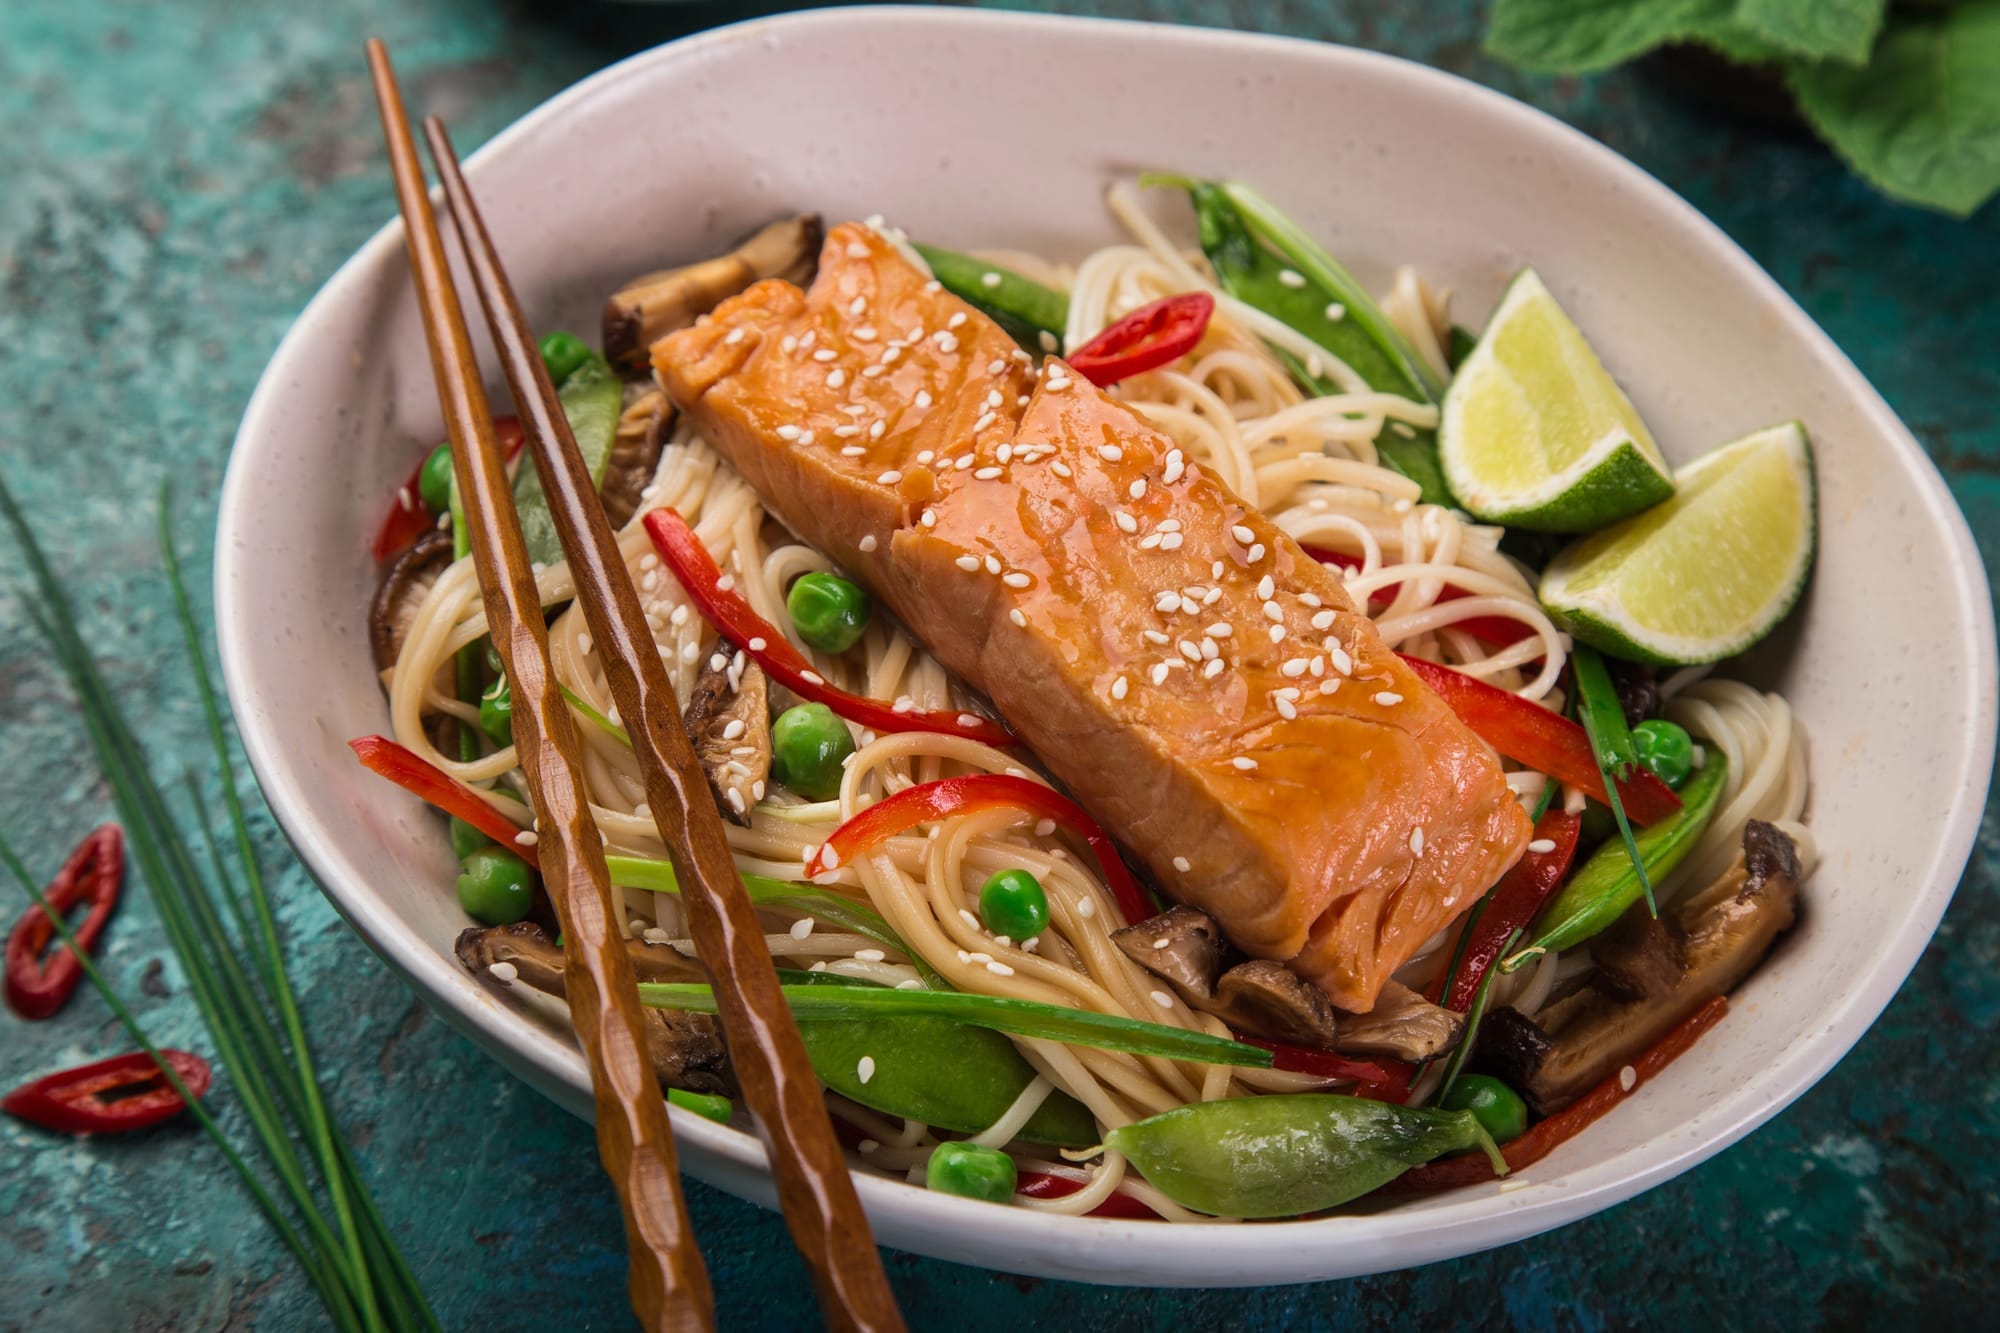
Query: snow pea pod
{"type": "Point", "coordinates": [1263, 259]}
{"type": "Point", "coordinates": [1284, 1156]}
{"type": "Point", "coordinates": [1598, 894]}
{"type": "Point", "coordinates": [592, 397]}
{"type": "Point", "coordinates": [1032, 315]}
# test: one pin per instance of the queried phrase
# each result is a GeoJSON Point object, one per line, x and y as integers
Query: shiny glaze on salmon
{"type": "Point", "coordinates": [1197, 681]}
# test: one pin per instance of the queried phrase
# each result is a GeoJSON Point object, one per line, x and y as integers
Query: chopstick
{"type": "Point", "coordinates": [815, 1188]}
{"type": "Point", "coordinates": [667, 1282]}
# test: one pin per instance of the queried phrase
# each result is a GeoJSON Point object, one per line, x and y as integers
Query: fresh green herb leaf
{"type": "Point", "coordinates": [1021, 1018]}
{"type": "Point", "coordinates": [1577, 36]}
{"type": "Point", "coordinates": [1816, 29]}
{"type": "Point", "coordinates": [1921, 121]}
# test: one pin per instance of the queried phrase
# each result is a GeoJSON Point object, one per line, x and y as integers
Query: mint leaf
{"type": "Point", "coordinates": [1922, 119]}
{"type": "Point", "coordinates": [1575, 36]}
{"type": "Point", "coordinates": [1816, 29]}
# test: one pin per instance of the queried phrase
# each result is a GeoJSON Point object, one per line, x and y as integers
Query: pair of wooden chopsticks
{"type": "Point", "coordinates": [668, 1283]}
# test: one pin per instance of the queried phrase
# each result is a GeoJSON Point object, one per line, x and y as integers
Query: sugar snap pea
{"type": "Point", "coordinates": [1284, 1156]}
{"type": "Point", "coordinates": [1032, 315]}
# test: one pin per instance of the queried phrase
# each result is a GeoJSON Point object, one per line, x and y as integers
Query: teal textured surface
{"type": "Point", "coordinates": [178, 180]}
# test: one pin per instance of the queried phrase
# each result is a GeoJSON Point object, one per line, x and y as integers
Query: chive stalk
{"type": "Point", "coordinates": [1603, 718]}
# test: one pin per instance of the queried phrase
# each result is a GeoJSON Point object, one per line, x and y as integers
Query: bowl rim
{"type": "Point", "coordinates": [1138, 1252]}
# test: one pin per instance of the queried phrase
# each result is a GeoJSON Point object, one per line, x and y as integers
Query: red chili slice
{"type": "Point", "coordinates": [1150, 337]}
{"type": "Point", "coordinates": [1544, 740]}
{"type": "Point", "coordinates": [1520, 895]}
{"type": "Point", "coordinates": [408, 517]}
{"type": "Point", "coordinates": [1567, 1123]}
{"type": "Point", "coordinates": [739, 622]}
{"type": "Point", "coordinates": [929, 801]}
{"type": "Point", "coordinates": [1493, 631]}
{"type": "Point", "coordinates": [1042, 1185]}
{"type": "Point", "coordinates": [95, 873]}
{"type": "Point", "coordinates": [385, 758]}
{"type": "Point", "coordinates": [1383, 1080]}
{"type": "Point", "coordinates": [111, 1096]}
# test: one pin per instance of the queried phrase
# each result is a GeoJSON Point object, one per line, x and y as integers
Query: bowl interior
{"type": "Point", "coordinates": [919, 115]}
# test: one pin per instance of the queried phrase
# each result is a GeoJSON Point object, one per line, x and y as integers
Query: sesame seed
{"type": "Point", "coordinates": [1164, 1000]}
{"type": "Point", "coordinates": [926, 456]}
{"type": "Point", "coordinates": [1341, 661]}
{"type": "Point", "coordinates": [890, 478]}
{"type": "Point", "coordinates": [830, 858]}
{"type": "Point", "coordinates": [1416, 842]}
{"type": "Point", "coordinates": [1047, 340]}
{"type": "Point", "coordinates": [1189, 605]}
{"type": "Point", "coordinates": [1277, 634]}
{"type": "Point", "coordinates": [1060, 468]}
{"type": "Point", "coordinates": [735, 336]}
{"type": "Point", "coordinates": [928, 518]}
{"type": "Point", "coordinates": [1291, 278]}
{"type": "Point", "coordinates": [1192, 652]}
{"type": "Point", "coordinates": [1294, 668]}
{"type": "Point", "coordinates": [1628, 1078]}
{"type": "Point", "coordinates": [1125, 522]}
{"type": "Point", "coordinates": [1329, 685]}
{"type": "Point", "coordinates": [1255, 553]}
{"type": "Point", "coordinates": [866, 333]}
{"type": "Point", "coordinates": [970, 720]}
{"type": "Point", "coordinates": [1310, 599]}
{"type": "Point", "coordinates": [989, 280]}
{"type": "Point", "coordinates": [839, 432]}
{"type": "Point", "coordinates": [1213, 669]}
{"type": "Point", "coordinates": [1119, 687]}
{"type": "Point", "coordinates": [824, 355]}
{"type": "Point", "coordinates": [1000, 969]}
{"type": "Point", "coordinates": [964, 462]}
{"type": "Point", "coordinates": [947, 343]}
{"type": "Point", "coordinates": [789, 345]}
{"type": "Point", "coordinates": [864, 1069]}
{"type": "Point", "coordinates": [856, 250]}
{"type": "Point", "coordinates": [857, 305]}
{"type": "Point", "coordinates": [852, 451]}
{"type": "Point", "coordinates": [1159, 673]}
{"type": "Point", "coordinates": [1314, 366]}
{"type": "Point", "coordinates": [737, 726]}
{"type": "Point", "coordinates": [1150, 541]}
{"type": "Point", "coordinates": [876, 431]}
{"type": "Point", "coordinates": [1211, 597]}
{"type": "Point", "coordinates": [835, 378]}
{"type": "Point", "coordinates": [992, 564]}
{"type": "Point", "coordinates": [956, 321]}
{"type": "Point", "coordinates": [1285, 708]}
{"type": "Point", "coordinates": [1016, 579]}
{"type": "Point", "coordinates": [1085, 908]}
{"type": "Point", "coordinates": [505, 973]}
{"type": "Point", "coordinates": [1242, 534]}
{"type": "Point", "coordinates": [1018, 618]}
{"type": "Point", "coordinates": [802, 927]}
{"type": "Point", "coordinates": [1209, 650]}
{"type": "Point", "coordinates": [1335, 311]}
{"type": "Point", "coordinates": [1388, 698]}
{"type": "Point", "coordinates": [869, 955]}
{"type": "Point", "coordinates": [1110, 453]}
{"type": "Point", "coordinates": [1176, 464]}
{"type": "Point", "coordinates": [788, 432]}
{"type": "Point", "coordinates": [976, 957]}
{"type": "Point", "coordinates": [1318, 667]}
{"type": "Point", "coordinates": [1542, 846]}
{"type": "Point", "coordinates": [968, 563]}
{"type": "Point", "coordinates": [1323, 620]}
{"type": "Point", "coordinates": [1153, 636]}
{"type": "Point", "coordinates": [1265, 587]}
{"type": "Point", "coordinates": [756, 644]}
{"type": "Point", "coordinates": [867, 543]}
{"type": "Point", "coordinates": [1056, 383]}
{"type": "Point", "coordinates": [1166, 600]}
{"type": "Point", "coordinates": [1244, 763]}
{"type": "Point", "coordinates": [1138, 489]}
{"type": "Point", "coordinates": [985, 419]}
{"type": "Point", "coordinates": [987, 473]}
{"type": "Point", "coordinates": [1215, 569]}
{"type": "Point", "coordinates": [1221, 629]}
{"type": "Point", "coordinates": [923, 398]}
{"type": "Point", "coordinates": [1272, 611]}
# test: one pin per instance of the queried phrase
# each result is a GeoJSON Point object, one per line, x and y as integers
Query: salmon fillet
{"type": "Point", "coordinates": [1202, 686]}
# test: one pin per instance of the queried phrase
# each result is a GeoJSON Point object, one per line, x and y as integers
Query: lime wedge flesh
{"type": "Point", "coordinates": [1536, 434]}
{"type": "Point", "coordinates": [1706, 574]}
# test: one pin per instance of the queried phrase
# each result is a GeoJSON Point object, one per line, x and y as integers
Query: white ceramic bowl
{"type": "Point", "coordinates": [960, 127]}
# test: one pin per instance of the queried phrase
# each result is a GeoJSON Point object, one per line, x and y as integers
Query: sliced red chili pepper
{"type": "Point", "coordinates": [1540, 738]}
{"type": "Point", "coordinates": [1520, 895]}
{"type": "Point", "coordinates": [1493, 631]}
{"type": "Point", "coordinates": [408, 517]}
{"type": "Point", "coordinates": [1384, 1080]}
{"type": "Point", "coordinates": [385, 758]}
{"type": "Point", "coordinates": [111, 1096]}
{"type": "Point", "coordinates": [929, 801]}
{"type": "Point", "coordinates": [1042, 1185]}
{"type": "Point", "coordinates": [1567, 1123]}
{"type": "Point", "coordinates": [94, 873]}
{"type": "Point", "coordinates": [739, 622]}
{"type": "Point", "coordinates": [1150, 337]}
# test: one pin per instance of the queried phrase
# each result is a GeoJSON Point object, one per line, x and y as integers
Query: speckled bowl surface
{"type": "Point", "coordinates": [936, 118]}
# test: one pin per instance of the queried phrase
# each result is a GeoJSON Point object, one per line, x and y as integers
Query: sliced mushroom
{"type": "Point", "coordinates": [1181, 946]}
{"type": "Point", "coordinates": [686, 1050]}
{"type": "Point", "coordinates": [635, 455]}
{"type": "Point", "coordinates": [1270, 1000]}
{"type": "Point", "coordinates": [1403, 1024]}
{"type": "Point", "coordinates": [1652, 974]}
{"type": "Point", "coordinates": [1186, 949]}
{"type": "Point", "coordinates": [728, 718]}
{"type": "Point", "coordinates": [405, 584]}
{"type": "Point", "coordinates": [650, 307]}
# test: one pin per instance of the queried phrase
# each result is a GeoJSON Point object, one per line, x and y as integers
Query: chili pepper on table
{"type": "Point", "coordinates": [385, 758]}
{"type": "Point", "coordinates": [409, 517]}
{"type": "Point", "coordinates": [1263, 259]}
{"type": "Point", "coordinates": [1514, 903]}
{"type": "Point", "coordinates": [95, 873]}
{"type": "Point", "coordinates": [1599, 893]}
{"type": "Point", "coordinates": [690, 563]}
{"type": "Point", "coordinates": [1543, 740]}
{"type": "Point", "coordinates": [969, 795]}
{"type": "Point", "coordinates": [1288, 1155]}
{"type": "Point", "coordinates": [1033, 315]}
{"type": "Point", "coordinates": [1152, 336]}
{"type": "Point", "coordinates": [1566, 1124]}
{"type": "Point", "coordinates": [81, 1100]}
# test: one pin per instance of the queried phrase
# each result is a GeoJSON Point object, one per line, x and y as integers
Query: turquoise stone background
{"type": "Point", "coordinates": [177, 179]}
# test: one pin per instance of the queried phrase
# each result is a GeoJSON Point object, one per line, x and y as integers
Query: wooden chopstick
{"type": "Point", "coordinates": [815, 1187]}
{"type": "Point", "coordinates": [668, 1284]}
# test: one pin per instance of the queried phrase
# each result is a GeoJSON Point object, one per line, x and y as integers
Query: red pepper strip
{"type": "Point", "coordinates": [1533, 735]}
{"type": "Point", "coordinates": [408, 518]}
{"type": "Point", "coordinates": [726, 609]}
{"type": "Point", "coordinates": [384, 758]}
{"type": "Point", "coordinates": [110, 1096]}
{"type": "Point", "coordinates": [1042, 1185]}
{"type": "Point", "coordinates": [1519, 896]}
{"type": "Point", "coordinates": [1566, 1124]}
{"type": "Point", "coordinates": [1150, 337]}
{"type": "Point", "coordinates": [970, 795]}
{"type": "Point", "coordinates": [1384, 1080]}
{"type": "Point", "coordinates": [1493, 631]}
{"type": "Point", "coordinates": [95, 872]}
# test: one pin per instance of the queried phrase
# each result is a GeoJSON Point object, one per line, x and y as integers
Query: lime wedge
{"type": "Point", "coordinates": [1536, 434]}
{"type": "Point", "coordinates": [1706, 574]}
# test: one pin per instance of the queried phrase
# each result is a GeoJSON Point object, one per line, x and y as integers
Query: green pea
{"type": "Point", "coordinates": [495, 887]}
{"type": "Point", "coordinates": [809, 745]}
{"type": "Point", "coordinates": [563, 353]}
{"type": "Point", "coordinates": [1012, 903]}
{"type": "Point", "coordinates": [829, 612]}
{"type": "Point", "coordinates": [496, 712]}
{"type": "Point", "coordinates": [971, 1172]}
{"type": "Point", "coordinates": [434, 482]}
{"type": "Point", "coordinates": [1665, 749]}
{"type": "Point", "coordinates": [704, 1104]}
{"type": "Point", "coordinates": [465, 839]}
{"type": "Point", "coordinates": [1498, 1107]}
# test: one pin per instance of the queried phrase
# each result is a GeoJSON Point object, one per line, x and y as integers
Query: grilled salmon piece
{"type": "Point", "coordinates": [1196, 680]}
